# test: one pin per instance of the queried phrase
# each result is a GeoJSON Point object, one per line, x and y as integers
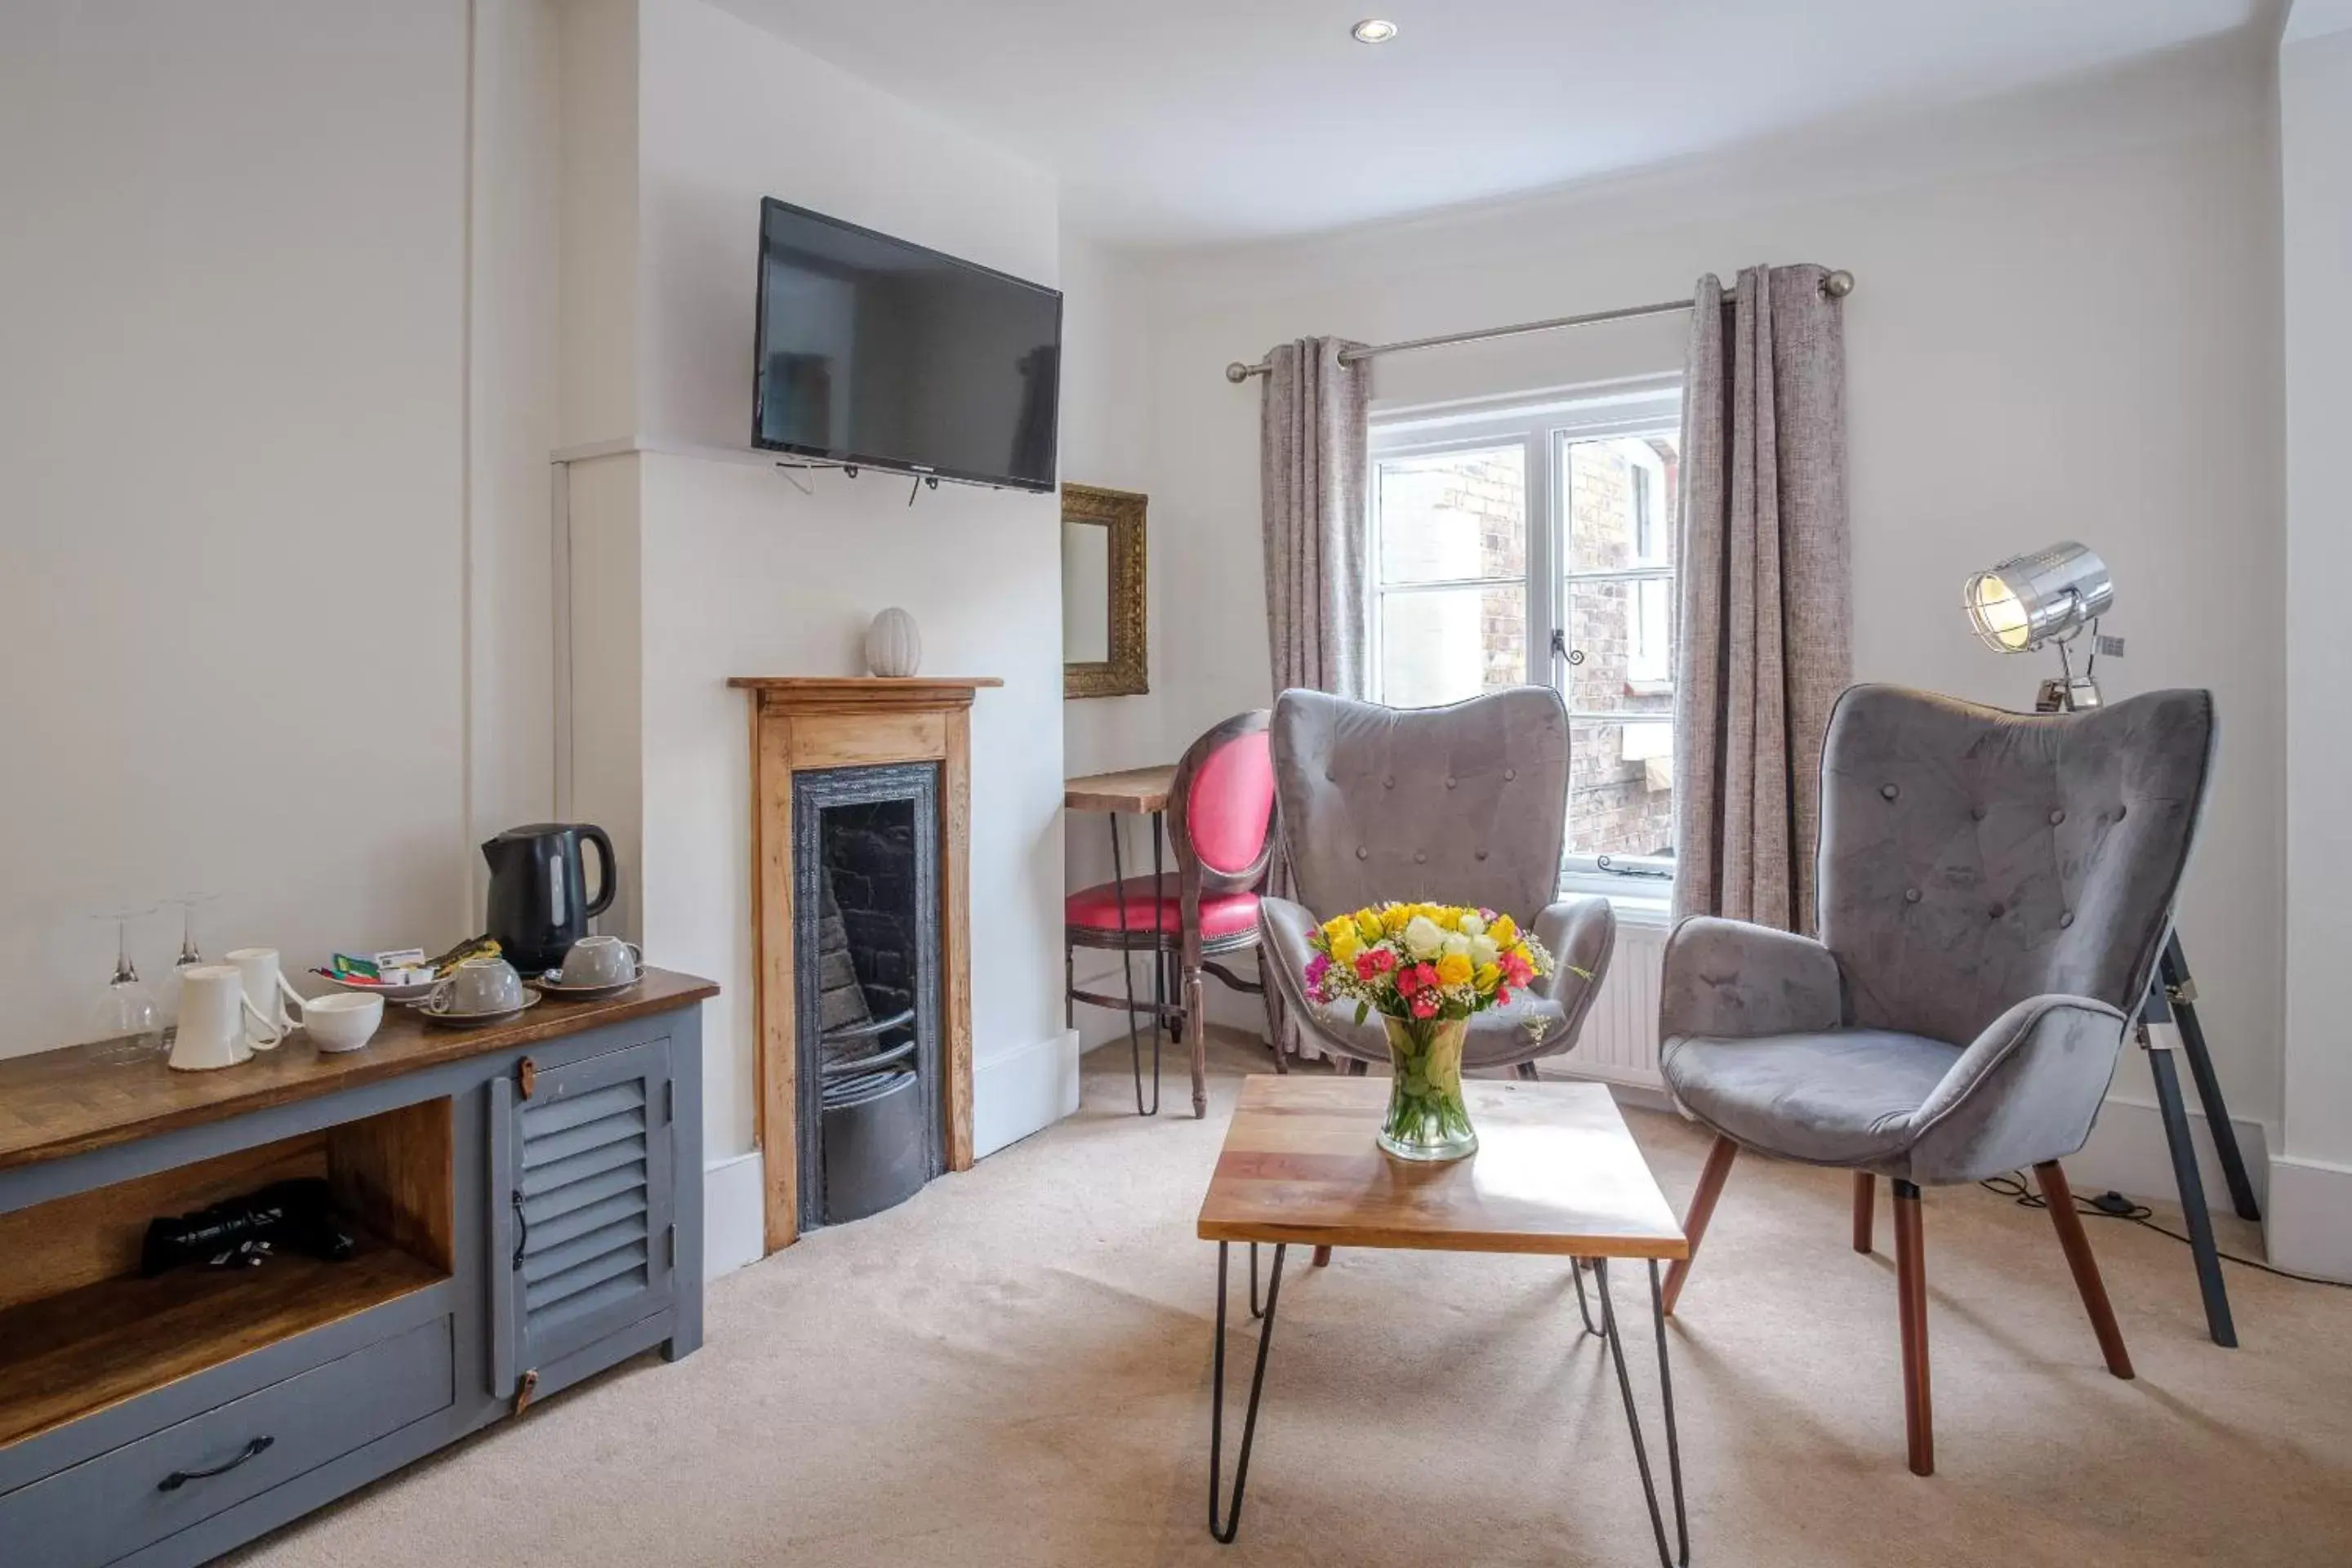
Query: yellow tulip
{"type": "Point", "coordinates": [1488, 976]}
{"type": "Point", "coordinates": [1345, 946]}
{"type": "Point", "coordinates": [1368, 926]}
{"type": "Point", "coordinates": [1332, 929]}
{"type": "Point", "coordinates": [1395, 918]}
{"type": "Point", "coordinates": [1453, 969]}
{"type": "Point", "coordinates": [1447, 918]}
{"type": "Point", "coordinates": [1504, 931]}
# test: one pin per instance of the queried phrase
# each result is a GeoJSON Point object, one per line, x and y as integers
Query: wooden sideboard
{"type": "Point", "coordinates": [528, 1201]}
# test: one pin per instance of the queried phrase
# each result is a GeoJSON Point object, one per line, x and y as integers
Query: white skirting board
{"type": "Point", "coordinates": [2128, 1152]}
{"type": "Point", "coordinates": [1014, 1094]}
{"type": "Point", "coordinates": [2307, 1217]}
{"type": "Point", "coordinates": [734, 1216]}
{"type": "Point", "coordinates": [1023, 1090]}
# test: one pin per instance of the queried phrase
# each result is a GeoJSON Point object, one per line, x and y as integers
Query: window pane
{"type": "Point", "coordinates": [1454, 515]}
{"type": "Point", "coordinates": [1446, 644]}
{"type": "Point", "coordinates": [1621, 640]}
{"type": "Point", "coordinates": [1622, 494]}
{"type": "Point", "coordinates": [1621, 788]}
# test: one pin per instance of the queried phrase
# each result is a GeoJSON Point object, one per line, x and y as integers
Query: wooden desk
{"type": "Point", "coordinates": [1140, 790]}
{"type": "Point", "coordinates": [1555, 1173]}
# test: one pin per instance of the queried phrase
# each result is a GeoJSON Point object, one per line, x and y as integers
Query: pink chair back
{"type": "Point", "coordinates": [1220, 805]}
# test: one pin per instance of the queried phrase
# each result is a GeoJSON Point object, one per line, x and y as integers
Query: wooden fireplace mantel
{"type": "Point", "coordinates": [801, 723]}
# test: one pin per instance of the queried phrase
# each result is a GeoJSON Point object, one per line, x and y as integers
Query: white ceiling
{"type": "Point", "coordinates": [1193, 121]}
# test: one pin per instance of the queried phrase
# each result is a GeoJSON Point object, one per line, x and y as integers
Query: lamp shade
{"type": "Point", "coordinates": [2028, 600]}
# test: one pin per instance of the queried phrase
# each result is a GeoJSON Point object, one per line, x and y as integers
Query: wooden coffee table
{"type": "Point", "coordinates": [1555, 1173]}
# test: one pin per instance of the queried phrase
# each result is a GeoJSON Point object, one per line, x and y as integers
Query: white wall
{"type": "Point", "coordinates": [2065, 325]}
{"type": "Point", "coordinates": [2311, 1188]}
{"type": "Point", "coordinates": [244, 485]}
{"type": "Point", "coordinates": [737, 572]}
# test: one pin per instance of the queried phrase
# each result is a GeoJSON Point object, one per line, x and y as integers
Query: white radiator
{"type": "Point", "coordinates": [1620, 1042]}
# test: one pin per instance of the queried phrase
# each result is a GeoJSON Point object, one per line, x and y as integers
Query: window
{"type": "Point", "coordinates": [1534, 542]}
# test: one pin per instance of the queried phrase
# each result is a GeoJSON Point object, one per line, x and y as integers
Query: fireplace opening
{"type": "Point", "coordinates": [866, 933]}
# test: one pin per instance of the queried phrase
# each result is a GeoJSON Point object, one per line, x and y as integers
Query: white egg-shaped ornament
{"type": "Point", "coordinates": [893, 644]}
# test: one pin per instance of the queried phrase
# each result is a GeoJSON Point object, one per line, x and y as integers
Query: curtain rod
{"type": "Point", "coordinates": [1836, 286]}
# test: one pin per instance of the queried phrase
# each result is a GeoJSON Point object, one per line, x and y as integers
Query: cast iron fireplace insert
{"type": "Point", "coordinates": [866, 981]}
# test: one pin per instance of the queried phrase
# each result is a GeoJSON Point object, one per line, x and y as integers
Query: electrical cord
{"type": "Point", "coordinates": [2115, 1205]}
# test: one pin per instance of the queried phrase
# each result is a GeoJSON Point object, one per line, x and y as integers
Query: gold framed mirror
{"type": "Point", "coordinates": [1103, 603]}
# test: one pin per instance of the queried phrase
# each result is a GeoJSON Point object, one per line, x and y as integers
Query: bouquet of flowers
{"type": "Point", "coordinates": [1425, 969]}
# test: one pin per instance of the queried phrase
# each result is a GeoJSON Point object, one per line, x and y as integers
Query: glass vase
{"type": "Point", "coordinates": [1426, 1119]}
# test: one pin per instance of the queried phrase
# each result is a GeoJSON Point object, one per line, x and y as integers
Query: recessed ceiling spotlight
{"type": "Point", "coordinates": [1372, 30]}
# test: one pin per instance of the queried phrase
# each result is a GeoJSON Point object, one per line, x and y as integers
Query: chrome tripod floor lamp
{"type": "Point", "coordinates": [2048, 599]}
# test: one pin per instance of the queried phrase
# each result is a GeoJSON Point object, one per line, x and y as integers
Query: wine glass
{"type": "Point", "coordinates": [188, 904]}
{"type": "Point", "coordinates": [125, 1025]}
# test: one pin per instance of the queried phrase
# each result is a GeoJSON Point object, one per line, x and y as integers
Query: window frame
{"type": "Point", "coordinates": [1542, 424]}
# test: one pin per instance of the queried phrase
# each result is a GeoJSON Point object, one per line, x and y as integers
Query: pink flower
{"type": "Point", "coordinates": [1383, 959]}
{"type": "Point", "coordinates": [1316, 967]}
{"type": "Point", "coordinates": [1516, 970]}
{"type": "Point", "coordinates": [1502, 995]}
{"type": "Point", "coordinates": [1409, 980]}
{"type": "Point", "coordinates": [1365, 967]}
{"type": "Point", "coordinates": [1425, 1006]}
{"type": "Point", "coordinates": [1428, 972]}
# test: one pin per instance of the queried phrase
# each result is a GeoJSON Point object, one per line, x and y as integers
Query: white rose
{"type": "Point", "coordinates": [1472, 926]}
{"type": "Point", "coordinates": [1460, 944]}
{"type": "Point", "coordinates": [1422, 937]}
{"type": "Point", "coordinates": [1483, 951]}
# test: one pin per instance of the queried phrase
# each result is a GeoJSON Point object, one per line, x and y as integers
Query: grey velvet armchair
{"type": "Point", "coordinates": [1994, 891]}
{"type": "Point", "coordinates": [1459, 804]}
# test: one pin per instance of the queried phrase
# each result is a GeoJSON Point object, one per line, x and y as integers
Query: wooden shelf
{"type": "Point", "coordinates": [67, 1355]}
{"type": "Point", "coordinates": [57, 1104]}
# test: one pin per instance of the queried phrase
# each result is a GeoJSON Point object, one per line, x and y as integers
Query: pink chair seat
{"type": "Point", "coordinates": [1096, 909]}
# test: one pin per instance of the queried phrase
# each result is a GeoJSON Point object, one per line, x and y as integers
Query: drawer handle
{"type": "Point", "coordinates": [179, 1479]}
{"type": "Point", "coordinates": [522, 1229]}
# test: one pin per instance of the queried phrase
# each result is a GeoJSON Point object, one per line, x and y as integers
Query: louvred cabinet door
{"type": "Point", "coordinates": [582, 1172]}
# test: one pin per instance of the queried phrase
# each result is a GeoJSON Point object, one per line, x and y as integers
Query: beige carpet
{"type": "Point", "coordinates": [1013, 1369]}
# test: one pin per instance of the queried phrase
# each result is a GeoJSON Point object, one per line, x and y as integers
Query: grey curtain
{"type": "Point", "coordinates": [1764, 602]}
{"type": "Point", "coordinates": [1313, 435]}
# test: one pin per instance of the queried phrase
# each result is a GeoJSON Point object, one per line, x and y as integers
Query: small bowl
{"type": "Point", "coordinates": [343, 1020]}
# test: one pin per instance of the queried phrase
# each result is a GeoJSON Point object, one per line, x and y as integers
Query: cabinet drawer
{"type": "Point", "coordinates": [135, 1495]}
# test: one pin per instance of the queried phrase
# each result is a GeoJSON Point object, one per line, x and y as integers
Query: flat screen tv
{"type": "Point", "coordinates": [873, 351]}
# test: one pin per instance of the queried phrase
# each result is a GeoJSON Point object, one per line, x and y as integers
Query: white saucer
{"type": "Point", "coordinates": [415, 993]}
{"type": "Point", "coordinates": [477, 1020]}
{"type": "Point", "coordinates": [562, 992]}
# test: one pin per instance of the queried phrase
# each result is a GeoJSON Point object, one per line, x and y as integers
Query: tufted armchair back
{"type": "Point", "coordinates": [1971, 858]}
{"type": "Point", "coordinates": [1460, 805]}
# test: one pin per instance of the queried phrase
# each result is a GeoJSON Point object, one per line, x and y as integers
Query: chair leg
{"type": "Point", "coordinates": [1865, 1204]}
{"type": "Point", "coordinates": [1195, 999]}
{"type": "Point", "coordinates": [1526, 1070]}
{"type": "Point", "coordinates": [1911, 1303]}
{"type": "Point", "coordinates": [1069, 985]}
{"type": "Point", "coordinates": [2060, 1199]}
{"type": "Point", "coordinates": [1322, 1258]}
{"type": "Point", "coordinates": [1355, 1066]}
{"type": "Point", "coordinates": [1710, 1187]}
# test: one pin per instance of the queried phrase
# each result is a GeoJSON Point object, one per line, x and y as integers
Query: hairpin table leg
{"type": "Point", "coordinates": [1634, 1415]}
{"type": "Point", "coordinates": [1231, 1525]}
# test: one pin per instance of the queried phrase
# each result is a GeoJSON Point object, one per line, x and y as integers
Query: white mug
{"type": "Point", "coordinates": [266, 989]}
{"type": "Point", "coordinates": [214, 1009]}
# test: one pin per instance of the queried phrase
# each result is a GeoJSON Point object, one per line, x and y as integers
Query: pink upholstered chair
{"type": "Point", "coordinates": [1221, 832]}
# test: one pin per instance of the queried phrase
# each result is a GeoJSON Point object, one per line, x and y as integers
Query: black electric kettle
{"type": "Point", "coordinates": [538, 891]}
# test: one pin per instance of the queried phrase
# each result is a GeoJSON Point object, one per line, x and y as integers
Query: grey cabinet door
{"type": "Point", "coordinates": [582, 1172]}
